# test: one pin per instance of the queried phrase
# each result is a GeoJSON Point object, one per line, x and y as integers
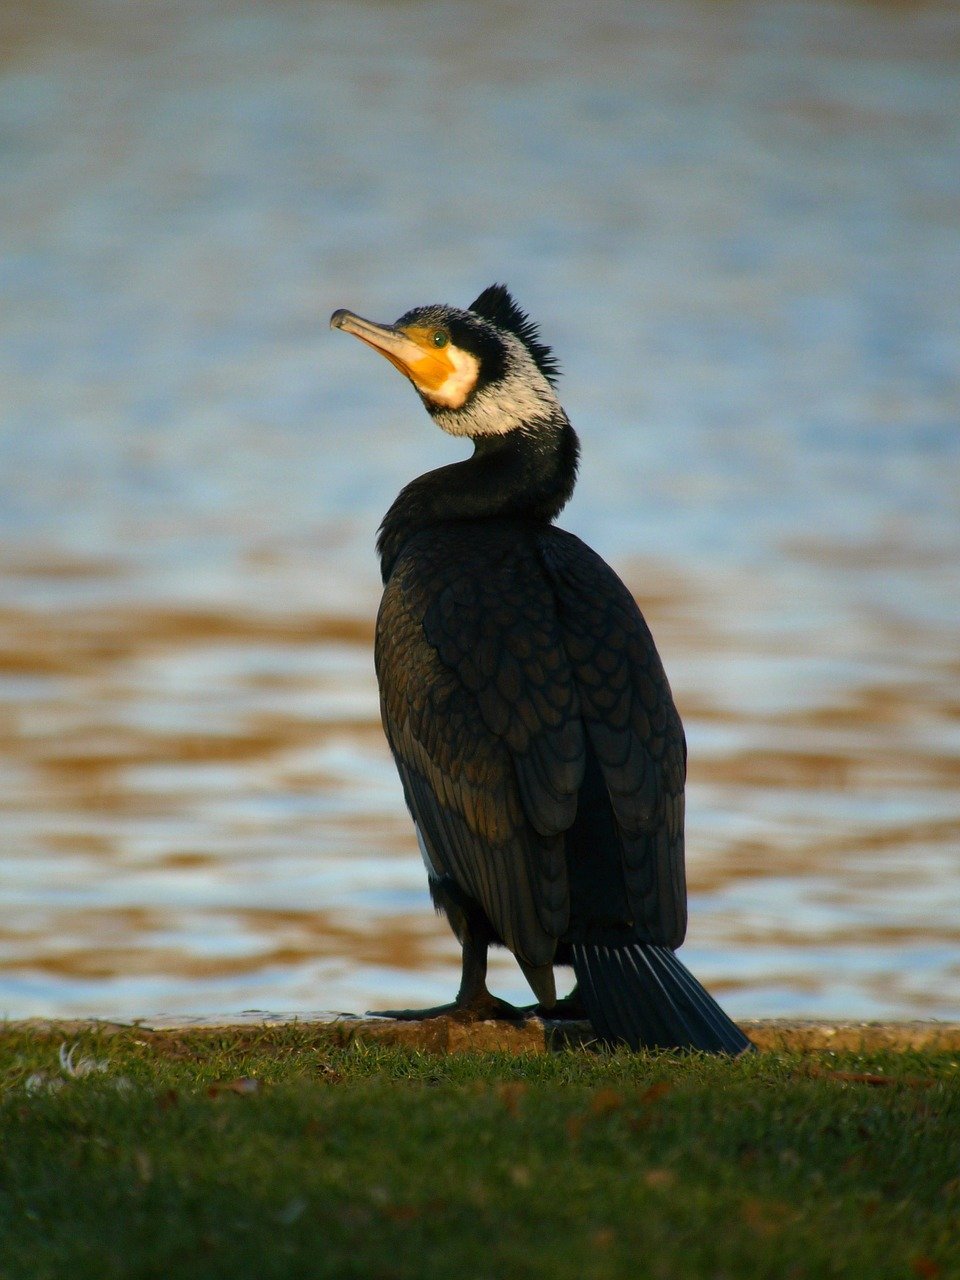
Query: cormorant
{"type": "Point", "coordinates": [536, 737]}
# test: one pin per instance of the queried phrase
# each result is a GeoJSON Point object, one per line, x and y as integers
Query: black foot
{"type": "Point", "coordinates": [569, 1009]}
{"type": "Point", "coordinates": [413, 1015]}
{"type": "Point", "coordinates": [480, 1009]}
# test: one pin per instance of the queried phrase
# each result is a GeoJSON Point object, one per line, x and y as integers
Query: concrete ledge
{"type": "Point", "coordinates": [445, 1035]}
{"type": "Point", "coordinates": [803, 1036]}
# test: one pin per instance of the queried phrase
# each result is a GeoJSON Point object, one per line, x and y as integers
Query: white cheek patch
{"type": "Point", "coordinates": [518, 399]}
{"type": "Point", "coordinates": [453, 391]}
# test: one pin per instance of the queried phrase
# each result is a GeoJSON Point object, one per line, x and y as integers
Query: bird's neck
{"type": "Point", "coordinates": [525, 474]}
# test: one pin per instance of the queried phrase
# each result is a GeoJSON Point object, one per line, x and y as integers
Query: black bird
{"type": "Point", "coordinates": [540, 751]}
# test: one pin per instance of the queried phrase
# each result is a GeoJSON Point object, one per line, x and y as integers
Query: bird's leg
{"type": "Point", "coordinates": [474, 1003]}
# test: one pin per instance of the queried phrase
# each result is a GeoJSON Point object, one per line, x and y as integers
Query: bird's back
{"type": "Point", "coordinates": [540, 750]}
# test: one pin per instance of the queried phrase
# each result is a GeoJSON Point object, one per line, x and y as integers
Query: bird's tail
{"type": "Point", "coordinates": [641, 995]}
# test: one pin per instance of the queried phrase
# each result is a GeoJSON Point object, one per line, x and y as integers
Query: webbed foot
{"type": "Point", "coordinates": [570, 1008]}
{"type": "Point", "coordinates": [481, 1008]}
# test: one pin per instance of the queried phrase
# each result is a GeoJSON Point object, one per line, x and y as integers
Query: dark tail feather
{"type": "Point", "coordinates": [641, 995]}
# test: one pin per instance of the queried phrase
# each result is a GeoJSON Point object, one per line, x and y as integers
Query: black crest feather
{"type": "Point", "coordinates": [496, 305]}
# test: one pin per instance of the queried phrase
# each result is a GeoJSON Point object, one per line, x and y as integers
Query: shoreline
{"type": "Point", "coordinates": [535, 1035]}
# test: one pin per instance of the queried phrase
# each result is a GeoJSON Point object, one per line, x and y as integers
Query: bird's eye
{"type": "Point", "coordinates": [440, 339]}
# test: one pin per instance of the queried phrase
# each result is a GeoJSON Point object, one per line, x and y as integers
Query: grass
{"type": "Point", "coordinates": [272, 1153]}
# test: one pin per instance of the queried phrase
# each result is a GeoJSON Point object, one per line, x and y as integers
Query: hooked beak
{"type": "Point", "coordinates": [390, 342]}
{"type": "Point", "coordinates": [410, 351]}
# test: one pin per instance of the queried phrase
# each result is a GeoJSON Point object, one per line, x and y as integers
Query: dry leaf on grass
{"type": "Point", "coordinates": [244, 1087]}
{"type": "Point", "coordinates": [605, 1101]}
{"type": "Point", "coordinates": [767, 1217]}
{"type": "Point", "coordinates": [870, 1078]}
{"type": "Point", "coordinates": [925, 1267]}
{"type": "Point", "coordinates": [510, 1093]}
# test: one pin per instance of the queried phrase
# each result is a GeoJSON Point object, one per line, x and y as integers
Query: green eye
{"type": "Point", "coordinates": [440, 339]}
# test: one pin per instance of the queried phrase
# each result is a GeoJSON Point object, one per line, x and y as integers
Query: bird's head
{"type": "Point", "coordinates": [480, 372]}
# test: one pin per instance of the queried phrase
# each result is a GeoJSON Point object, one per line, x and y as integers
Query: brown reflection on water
{"type": "Point", "coordinates": [125, 944]}
{"type": "Point", "coordinates": [84, 642]}
{"type": "Point", "coordinates": [200, 797]}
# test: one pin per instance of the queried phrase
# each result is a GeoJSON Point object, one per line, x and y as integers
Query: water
{"type": "Point", "coordinates": [739, 225]}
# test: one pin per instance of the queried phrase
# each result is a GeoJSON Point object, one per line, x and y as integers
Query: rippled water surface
{"type": "Point", "coordinates": [739, 225]}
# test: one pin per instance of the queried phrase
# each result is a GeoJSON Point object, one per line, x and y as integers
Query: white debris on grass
{"type": "Point", "coordinates": [73, 1068]}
